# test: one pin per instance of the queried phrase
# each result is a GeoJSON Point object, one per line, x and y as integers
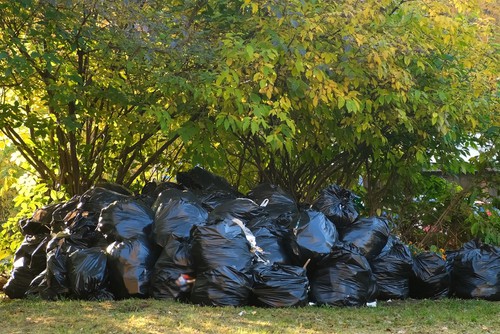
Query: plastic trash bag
{"type": "Point", "coordinates": [338, 204]}
{"type": "Point", "coordinates": [39, 223]}
{"type": "Point", "coordinates": [211, 189]}
{"type": "Point", "coordinates": [59, 216]}
{"type": "Point", "coordinates": [80, 232]}
{"type": "Point", "coordinates": [96, 199]}
{"type": "Point", "coordinates": [392, 269]}
{"type": "Point", "coordinates": [176, 216]}
{"type": "Point", "coordinates": [88, 275]}
{"type": "Point", "coordinates": [172, 267]}
{"type": "Point", "coordinates": [153, 190]}
{"type": "Point", "coordinates": [19, 282]}
{"type": "Point", "coordinates": [174, 194]}
{"type": "Point", "coordinates": [171, 283]}
{"type": "Point", "coordinates": [273, 239]}
{"type": "Point", "coordinates": [59, 248]}
{"type": "Point", "coordinates": [221, 286]}
{"type": "Point", "coordinates": [57, 272]}
{"type": "Point", "coordinates": [115, 187]}
{"type": "Point", "coordinates": [315, 235]}
{"type": "Point", "coordinates": [201, 179]}
{"type": "Point", "coordinates": [343, 278]}
{"type": "Point", "coordinates": [429, 278]}
{"type": "Point", "coordinates": [279, 285]}
{"type": "Point", "coordinates": [131, 264]}
{"type": "Point", "coordinates": [279, 202]}
{"type": "Point", "coordinates": [127, 219]}
{"type": "Point", "coordinates": [368, 234]}
{"type": "Point", "coordinates": [476, 272]}
{"type": "Point", "coordinates": [220, 244]}
{"type": "Point", "coordinates": [38, 285]}
{"type": "Point", "coordinates": [243, 209]}
{"type": "Point", "coordinates": [29, 261]}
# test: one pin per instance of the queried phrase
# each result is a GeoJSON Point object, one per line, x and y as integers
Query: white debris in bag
{"type": "Point", "coordinates": [251, 239]}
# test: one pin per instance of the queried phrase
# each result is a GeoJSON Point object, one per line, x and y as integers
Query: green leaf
{"type": "Point", "coordinates": [352, 106]}
{"type": "Point", "coordinates": [340, 102]}
{"type": "Point", "coordinates": [475, 228]}
{"type": "Point", "coordinates": [254, 127]}
{"type": "Point", "coordinates": [420, 156]}
{"type": "Point", "coordinates": [249, 50]}
{"type": "Point", "coordinates": [246, 123]}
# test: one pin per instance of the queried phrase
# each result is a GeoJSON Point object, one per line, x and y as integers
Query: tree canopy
{"type": "Point", "coordinates": [297, 93]}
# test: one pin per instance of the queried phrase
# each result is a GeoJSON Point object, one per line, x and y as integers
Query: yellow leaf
{"type": "Point", "coordinates": [269, 92]}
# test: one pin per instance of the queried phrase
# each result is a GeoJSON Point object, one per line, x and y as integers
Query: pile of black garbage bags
{"type": "Point", "coordinates": [200, 241]}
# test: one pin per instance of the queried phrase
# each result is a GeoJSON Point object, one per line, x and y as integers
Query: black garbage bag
{"type": "Point", "coordinates": [343, 278]}
{"type": "Point", "coordinates": [171, 283]}
{"type": "Point", "coordinates": [38, 285]}
{"type": "Point", "coordinates": [29, 261]}
{"type": "Point", "coordinates": [173, 195]}
{"type": "Point", "coordinates": [176, 216]}
{"type": "Point", "coordinates": [172, 271]}
{"type": "Point", "coordinates": [273, 238]}
{"type": "Point", "coordinates": [221, 286]}
{"type": "Point", "coordinates": [279, 285]}
{"type": "Point", "coordinates": [279, 202]}
{"type": "Point", "coordinates": [392, 269]}
{"type": "Point", "coordinates": [476, 272]}
{"type": "Point", "coordinates": [201, 179]}
{"type": "Point", "coordinates": [212, 190]}
{"type": "Point", "coordinates": [38, 260]}
{"type": "Point", "coordinates": [368, 234]}
{"type": "Point", "coordinates": [314, 237]}
{"type": "Point", "coordinates": [88, 274]}
{"type": "Point", "coordinates": [220, 244]}
{"type": "Point", "coordinates": [80, 233]}
{"type": "Point", "coordinates": [59, 248]}
{"type": "Point", "coordinates": [127, 219]}
{"type": "Point", "coordinates": [131, 264]}
{"type": "Point", "coordinates": [62, 214]}
{"type": "Point", "coordinates": [57, 271]}
{"type": "Point", "coordinates": [177, 254]}
{"type": "Point", "coordinates": [76, 220]}
{"type": "Point", "coordinates": [338, 204]}
{"type": "Point", "coordinates": [450, 256]}
{"type": "Point", "coordinates": [472, 245]}
{"type": "Point", "coordinates": [212, 199]}
{"type": "Point", "coordinates": [115, 187]}
{"type": "Point", "coordinates": [82, 230]}
{"type": "Point", "coordinates": [39, 223]}
{"type": "Point", "coordinates": [154, 190]}
{"type": "Point", "coordinates": [19, 281]}
{"type": "Point", "coordinates": [96, 199]}
{"type": "Point", "coordinates": [243, 209]}
{"type": "Point", "coordinates": [429, 278]}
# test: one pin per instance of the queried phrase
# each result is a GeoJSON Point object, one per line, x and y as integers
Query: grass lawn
{"type": "Point", "coordinates": [155, 316]}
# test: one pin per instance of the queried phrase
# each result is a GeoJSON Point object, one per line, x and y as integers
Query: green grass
{"type": "Point", "coordinates": [155, 316]}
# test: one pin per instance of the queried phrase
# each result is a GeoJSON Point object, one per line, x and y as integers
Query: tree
{"type": "Point", "coordinates": [315, 92]}
{"type": "Point", "coordinates": [295, 93]}
{"type": "Point", "coordinates": [85, 80]}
